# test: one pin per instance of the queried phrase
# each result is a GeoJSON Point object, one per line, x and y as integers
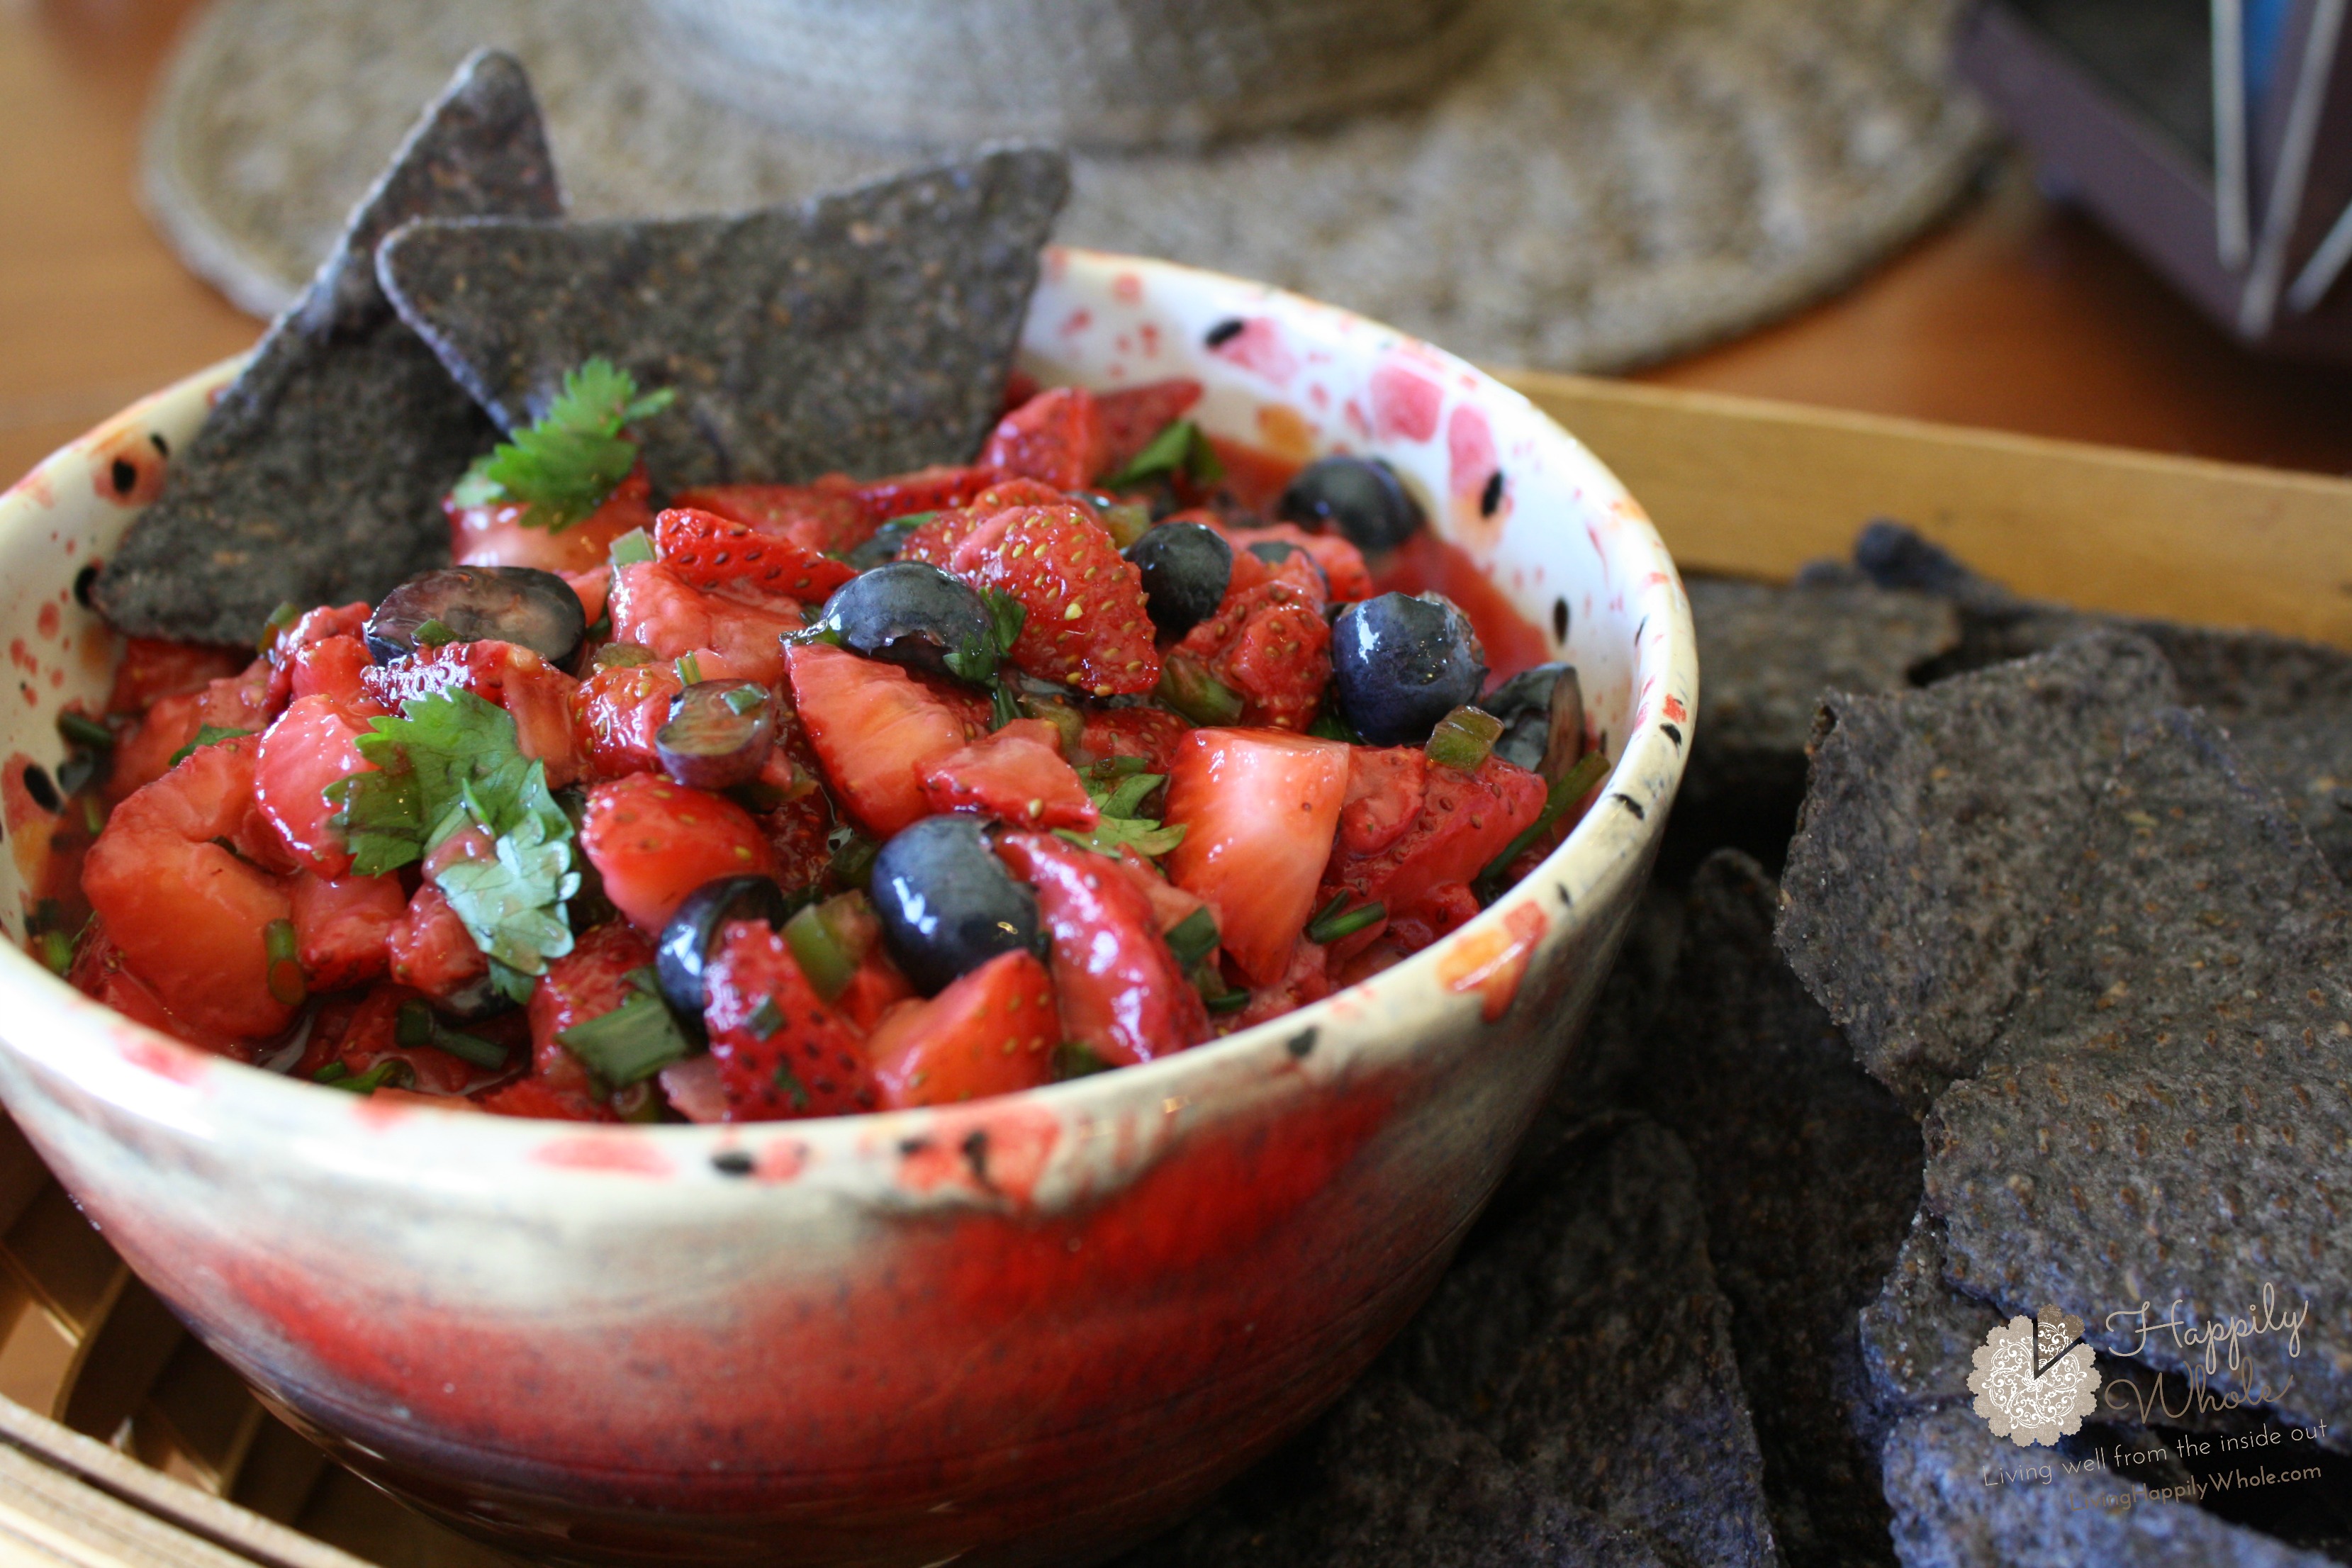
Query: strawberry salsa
{"type": "Point", "coordinates": [805, 800]}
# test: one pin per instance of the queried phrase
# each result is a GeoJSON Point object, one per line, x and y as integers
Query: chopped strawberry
{"type": "Point", "coordinates": [192, 917]}
{"type": "Point", "coordinates": [1344, 570]}
{"type": "Point", "coordinates": [591, 588]}
{"type": "Point", "coordinates": [616, 712]}
{"type": "Point", "coordinates": [153, 668]}
{"type": "Point", "coordinates": [1308, 979]}
{"type": "Point", "coordinates": [797, 833]}
{"type": "Point", "coordinates": [1421, 871]}
{"type": "Point", "coordinates": [237, 702]}
{"type": "Point", "coordinates": [332, 666]}
{"type": "Point", "coordinates": [935, 489]}
{"type": "Point", "coordinates": [431, 949]}
{"type": "Point", "coordinates": [1086, 624]}
{"type": "Point", "coordinates": [99, 973]}
{"type": "Point", "coordinates": [1121, 990]}
{"type": "Point", "coordinates": [494, 534]}
{"type": "Point", "coordinates": [309, 748]}
{"type": "Point", "coordinates": [655, 608]}
{"type": "Point", "coordinates": [782, 1052]}
{"type": "Point", "coordinates": [939, 541]}
{"type": "Point", "coordinates": [1172, 906]}
{"type": "Point", "coordinates": [285, 645]}
{"type": "Point", "coordinates": [1269, 643]}
{"type": "Point", "coordinates": [991, 1031]}
{"type": "Point", "coordinates": [654, 842]}
{"type": "Point", "coordinates": [341, 925]}
{"type": "Point", "coordinates": [876, 732]}
{"type": "Point", "coordinates": [536, 694]}
{"type": "Point", "coordinates": [587, 983]}
{"type": "Point", "coordinates": [1151, 733]}
{"type": "Point", "coordinates": [1384, 792]}
{"type": "Point", "coordinates": [874, 988]}
{"type": "Point", "coordinates": [1016, 775]}
{"type": "Point", "coordinates": [706, 550]}
{"type": "Point", "coordinates": [528, 1096]}
{"type": "Point", "coordinates": [1260, 808]}
{"type": "Point", "coordinates": [826, 516]}
{"type": "Point", "coordinates": [1056, 436]}
{"type": "Point", "coordinates": [1132, 416]}
{"type": "Point", "coordinates": [364, 1033]}
{"type": "Point", "coordinates": [694, 1090]}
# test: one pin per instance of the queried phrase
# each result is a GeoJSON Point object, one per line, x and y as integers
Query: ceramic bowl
{"type": "Point", "coordinates": [1027, 1330]}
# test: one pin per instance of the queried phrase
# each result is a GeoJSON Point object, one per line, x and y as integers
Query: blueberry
{"type": "Point", "coordinates": [1361, 495]}
{"type": "Point", "coordinates": [1186, 568]}
{"type": "Point", "coordinates": [686, 941]}
{"type": "Point", "coordinates": [909, 613]}
{"type": "Point", "coordinates": [719, 735]}
{"type": "Point", "coordinates": [948, 904]}
{"type": "Point", "coordinates": [518, 605]}
{"type": "Point", "coordinates": [1398, 664]}
{"type": "Point", "coordinates": [1542, 710]}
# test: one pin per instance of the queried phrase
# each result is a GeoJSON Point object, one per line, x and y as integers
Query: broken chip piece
{"type": "Point", "coordinates": [317, 476]}
{"type": "Point", "coordinates": [871, 329]}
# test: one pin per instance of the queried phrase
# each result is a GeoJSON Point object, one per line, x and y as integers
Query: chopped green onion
{"type": "Point", "coordinates": [207, 735]}
{"type": "Point", "coordinates": [634, 548]}
{"type": "Point", "coordinates": [286, 983]}
{"type": "Point", "coordinates": [1186, 685]}
{"type": "Point", "coordinates": [1178, 445]}
{"type": "Point", "coordinates": [744, 698]}
{"type": "Point", "coordinates": [390, 1073]}
{"type": "Point", "coordinates": [1329, 726]}
{"type": "Point", "coordinates": [689, 670]}
{"type": "Point", "coordinates": [623, 655]}
{"type": "Point", "coordinates": [432, 632]}
{"type": "Point", "coordinates": [907, 522]}
{"type": "Point", "coordinates": [1230, 1002]}
{"type": "Point", "coordinates": [1128, 522]}
{"type": "Point", "coordinates": [471, 1048]}
{"type": "Point", "coordinates": [81, 729]}
{"type": "Point", "coordinates": [765, 1019]}
{"type": "Point", "coordinates": [330, 1073]}
{"type": "Point", "coordinates": [625, 1046]}
{"type": "Point", "coordinates": [1331, 925]}
{"type": "Point", "coordinates": [286, 613]}
{"type": "Point", "coordinates": [57, 951]}
{"type": "Point", "coordinates": [1193, 938]}
{"type": "Point", "coordinates": [93, 815]}
{"type": "Point", "coordinates": [1565, 793]}
{"type": "Point", "coordinates": [1076, 1058]}
{"type": "Point", "coordinates": [788, 1083]}
{"type": "Point", "coordinates": [819, 952]}
{"type": "Point", "coordinates": [416, 1024]}
{"type": "Point", "coordinates": [1464, 739]}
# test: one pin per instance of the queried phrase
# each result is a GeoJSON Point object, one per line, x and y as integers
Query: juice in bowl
{"type": "Point", "coordinates": [1026, 1326]}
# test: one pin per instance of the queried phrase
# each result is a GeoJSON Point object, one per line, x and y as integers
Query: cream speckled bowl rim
{"type": "Point", "coordinates": [1355, 1031]}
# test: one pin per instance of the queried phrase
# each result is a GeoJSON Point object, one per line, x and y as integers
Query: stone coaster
{"type": "Point", "coordinates": [1611, 182]}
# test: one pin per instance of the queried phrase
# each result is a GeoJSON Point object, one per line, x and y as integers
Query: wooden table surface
{"type": "Point", "coordinates": [2015, 314]}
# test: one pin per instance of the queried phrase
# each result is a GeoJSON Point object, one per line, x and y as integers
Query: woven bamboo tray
{"type": "Point", "coordinates": [123, 1441]}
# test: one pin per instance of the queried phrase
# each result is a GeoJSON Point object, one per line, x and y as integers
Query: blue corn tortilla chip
{"type": "Point", "coordinates": [1810, 1173]}
{"type": "Point", "coordinates": [317, 476]}
{"type": "Point", "coordinates": [870, 330]}
{"type": "Point", "coordinates": [1932, 837]}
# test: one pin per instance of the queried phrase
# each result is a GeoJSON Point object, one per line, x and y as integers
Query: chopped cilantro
{"type": "Point", "coordinates": [1179, 447]}
{"type": "Point", "coordinates": [448, 762]}
{"type": "Point", "coordinates": [1329, 726]}
{"type": "Point", "coordinates": [562, 467]}
{"type": "Point", "coordinates": [632, 1042]}
{"type": "Point", "coordinates": [980, 659]}
{"type": "Point", "coordinates": [1147, 836]}
{"type": "Point", "coordinates": [207, 735]}
{"type": "Point", "coordinates": [1126, 797]}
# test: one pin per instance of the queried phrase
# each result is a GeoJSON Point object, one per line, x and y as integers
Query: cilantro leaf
{"type": "Point", "coordinates": [1109, 833]}
{"type": "Point", "coordinates": [446, 762]}
{"type": "Point", "coordinates": [980, 659]}
{"type": "Point", "coordinates": [562, 467]}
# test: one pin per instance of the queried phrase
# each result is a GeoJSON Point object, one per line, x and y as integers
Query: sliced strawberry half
{"type": "Point", "coordinates": [1056, 436]}
{"type": "Point", "coordinates": [310, 747]}
{"type": "Point", "coordinates": [876, 732]}
{"type": "Point", "coordinates": [1268, 641]}
{"type": "Point", "coordinates": [1132, 416]}
{"type": "Point", "coordinates": [1121, 992]}
{"type": "Point", "coordinates": [616, 713]}
{"type": "Point", "coordinates": [991, 1031]}
{"type": "Point", "coordinates": [1420, 872]}
{"type": "Point", "coordinates": [654, 842]}
{"type": "Point", "coordinates": [341, 925]}
{"type": "Point", "coordinates": [655, 608]}
{"type": "Point", "coordinates": [707, 551]}
{"type": "Point", "coordinates": [1016, 775]}
{"type": "Point", "coordinates": [935, 489]}
{"type": "Point", "coordinates": [1260, 808]}
{"type": "Point", "coordinates": [1086, 625]}
{"type": "Point", "coordinates": [781, 1051]}
{"type": "Point", "coordinates": [1151, 733]}
{"type": "Point", "coordinates": [823, 516]}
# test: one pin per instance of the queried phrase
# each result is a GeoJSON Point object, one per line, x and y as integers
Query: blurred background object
{"type": "Point", "coordinates": [2214, 136]}
{"type": "Point", "coordinates": [2016, 314]}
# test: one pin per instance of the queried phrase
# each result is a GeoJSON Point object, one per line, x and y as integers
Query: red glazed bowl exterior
{"type": "Point", "coordinates": [1029, 1329]}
